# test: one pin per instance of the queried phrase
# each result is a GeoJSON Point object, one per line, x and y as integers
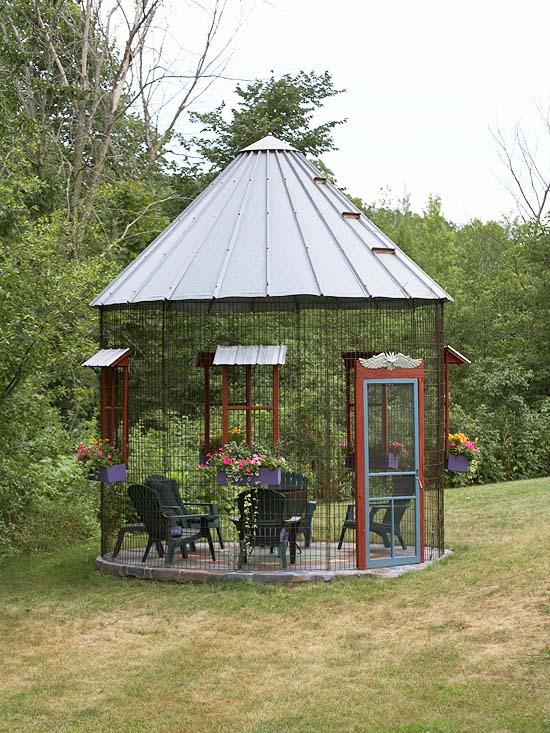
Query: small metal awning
{"type": "Point", "coordinates": [452, 356]}
{"type": "Point", "coordinates": [236, 355]}
{"type": "Point", "coordinates": [108, 358]}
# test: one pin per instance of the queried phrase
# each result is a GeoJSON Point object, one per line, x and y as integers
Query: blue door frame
{"type": "Point", "coordinates": [402, 559]}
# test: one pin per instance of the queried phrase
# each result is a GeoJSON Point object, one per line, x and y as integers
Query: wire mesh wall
{"type": "Point", "coordinates": [167, 412]}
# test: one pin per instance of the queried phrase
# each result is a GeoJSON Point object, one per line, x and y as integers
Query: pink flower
{"type": "Point", "coordinates": [227, 460]}
{"type": "Point", "coordinates": [99, 452]}
{"type": "Point", "coordinates": [201, 465]}
{"type": "Point", "coordinates": [109, 456]}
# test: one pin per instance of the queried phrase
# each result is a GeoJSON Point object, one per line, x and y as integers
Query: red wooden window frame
{"type": "Point", "coordinates": [450, 356]}
{"type": "Point", "coordinates": [110, 410]}
{"type": "Point", "coordinates": [205, 360]}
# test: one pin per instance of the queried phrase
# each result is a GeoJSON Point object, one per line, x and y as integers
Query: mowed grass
{"type": "Point", "coordinates": [458, 647]}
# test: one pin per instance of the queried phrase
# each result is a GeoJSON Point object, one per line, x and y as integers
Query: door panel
{"type": "Point", "coordinates": [391, 471]}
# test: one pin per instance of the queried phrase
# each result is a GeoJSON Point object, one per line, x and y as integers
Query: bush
{"type": "Point", "coordinates": [44, 501]}
{"type": "Point", "coordinates": [514, 440]}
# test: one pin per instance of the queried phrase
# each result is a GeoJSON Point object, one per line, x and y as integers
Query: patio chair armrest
{"type": "Point", "coordinates": [311, 506]}
{"type": "Point", "coordinates": [180, 516]}
{"type": "Point", "coordinates": [293, 520]}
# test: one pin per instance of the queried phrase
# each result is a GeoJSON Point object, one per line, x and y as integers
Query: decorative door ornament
{"type": "Point", "coordinates": [390, 360]}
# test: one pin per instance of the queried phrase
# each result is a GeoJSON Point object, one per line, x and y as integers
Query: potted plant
{"type": "Point", "coordinates": [236, 435]}
{"type": "Point", "coordinates": [461, 451]}
{"type": "Point", "coordinates": [240, 464]}
{"type": "Point", "coordinates": [396, 451]}
{"type": "Point", "coordinates": [101, 461]}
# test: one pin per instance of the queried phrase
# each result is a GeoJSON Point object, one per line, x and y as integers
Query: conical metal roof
{"type": "Point", "coordinates": [270, 225]}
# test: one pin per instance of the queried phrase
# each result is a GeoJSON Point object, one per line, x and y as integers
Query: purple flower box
{"type": "Point", "coordinates": [350, 461]}
{"type": "Point", "coordinates": [266, 477]}
{"type": "Point", "coordinates": [393, 461]}
{"type": "Point", "coordinates": [109, 474]}
{"type": "Point", "coordinates": [457, 463]}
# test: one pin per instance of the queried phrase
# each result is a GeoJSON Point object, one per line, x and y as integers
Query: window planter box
{"type": "Point", "coordinates": [109, 474]}
{"type": "Point", "coordinates": [457, 463]}
{"type": "Point", "coordinates": [393, 461]}
{"type": "Point", "coordinates": [266, 477]}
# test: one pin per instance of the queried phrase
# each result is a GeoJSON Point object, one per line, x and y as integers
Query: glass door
{"type": "Point", "coordinates": [392, 487]}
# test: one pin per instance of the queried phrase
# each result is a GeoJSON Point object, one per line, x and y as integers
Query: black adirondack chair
{"type": "Point", "coordinates": [264, 521]}
{"type": "Point", "coordinates": [163, 524]}
{"type": "Point", "coordinates": [403, 486]}
{"type": "Point", "coordinates": [294, 486]}
{"type": "Point", "coordinates": [169, 495]}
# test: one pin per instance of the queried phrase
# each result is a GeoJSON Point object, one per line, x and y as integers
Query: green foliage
{"type": "Point", "coordinates": [57, 251]}
{"type": "Point", "coordinates": [38, 477]}
{"type": "Point", "coordinates": [496, 274]}
{"type": "Point", "coordinates": [282, 107]}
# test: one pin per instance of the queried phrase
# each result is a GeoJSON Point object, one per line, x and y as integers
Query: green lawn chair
{"type": "Point", "coordinates": [264, 521]}
{"type": "Point", "coordinates": [169, 495]}
{"type": "Point", "coordinates": [403, 486]}
{"type": "Point", "coordinates": [164, 524]}
{"type": "Point", "coordinates": [294, 486]}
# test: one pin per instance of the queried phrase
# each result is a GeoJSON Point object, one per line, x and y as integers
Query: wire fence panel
{"type": "Point", "coordinates": [175, 402]}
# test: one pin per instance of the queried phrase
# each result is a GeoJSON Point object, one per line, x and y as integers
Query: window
{"type": "Point", "coordinates": [246, 359]}
{"type": "Point", "coordinates": [114, 365]}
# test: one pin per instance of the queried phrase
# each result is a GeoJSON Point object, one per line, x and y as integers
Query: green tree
{"type": "Point", "coordinates": [283, 107]}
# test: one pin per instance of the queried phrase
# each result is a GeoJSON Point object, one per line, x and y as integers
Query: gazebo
{"type": "Point", "coordinates": [274, 310]}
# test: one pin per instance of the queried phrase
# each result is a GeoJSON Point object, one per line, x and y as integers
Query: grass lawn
{"type": "Point", "coordinates": [456, 648]}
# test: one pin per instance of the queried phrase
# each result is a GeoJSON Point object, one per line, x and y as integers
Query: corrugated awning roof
{"type": "Point", "coordinates": [106, 357]}
{"type": "Point", "coordinates": [452, 356]}
{"type": "Point", "coordinates": [235, 355]}
{"type": "Point", "coordinates": [270, 214]}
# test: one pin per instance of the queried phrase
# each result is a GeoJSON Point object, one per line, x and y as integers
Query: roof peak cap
{"type": "Point", "coordinates": [269, 142]}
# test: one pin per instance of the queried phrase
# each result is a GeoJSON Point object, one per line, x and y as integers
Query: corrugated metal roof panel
{"type": "Point", "coordinates": [265, 215]}
{"type": "Point", "coordinates": [240, 355]}
{"type": "Point", "coordinates": [106, 357]}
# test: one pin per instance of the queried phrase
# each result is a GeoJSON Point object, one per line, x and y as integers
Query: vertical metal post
{"type": "Point", "coordinates": [225, 405]}
{"type": "Point", "coordinates": [275, 404]}
{"type": "Point", "coordinates": [206, 408]}
{"type": "Point", "coordinates": [385, 432]}
{"type": "Point", "coordinates": [112, 379]}
{"type": "Point", "coordinates": [349, 436]}
{"type": "Point", "coordinates": [248, 415]}
{"type": "Point", "coordinates": [327, 473]}
{"type": "Point", "coordinates": [125, 414]}
{"type": "Point", "coordinates": [447, 406]}
{"type": "Point", "coordinates": [104, 396]}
